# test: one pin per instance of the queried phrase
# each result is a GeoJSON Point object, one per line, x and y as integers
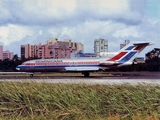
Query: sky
{"type": "Point", "coordinates": [35, 21]}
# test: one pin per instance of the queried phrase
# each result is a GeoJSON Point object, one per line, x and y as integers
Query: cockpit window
{"type": "Point", "coordinates": [23, 63]}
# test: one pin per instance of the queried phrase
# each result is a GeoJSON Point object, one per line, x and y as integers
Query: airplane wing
{"type": "Point", "coordinates": [82, 68]}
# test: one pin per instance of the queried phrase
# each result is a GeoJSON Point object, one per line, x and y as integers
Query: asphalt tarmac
{"type": "Point", "coordinates": [101, 78]}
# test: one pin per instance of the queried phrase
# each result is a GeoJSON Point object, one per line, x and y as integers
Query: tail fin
{"type": "Point", "coordinates": [129, 52]}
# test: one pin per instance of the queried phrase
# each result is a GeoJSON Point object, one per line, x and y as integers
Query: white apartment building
{"type": "Point", "coordinates": [100, 45]}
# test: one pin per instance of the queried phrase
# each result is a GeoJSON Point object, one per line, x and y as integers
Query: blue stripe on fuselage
{"type": "Point", "coordinates": [54, 67]}
{"type": "Point", "coordinates": [129, 48]}
{"type": "Point", "coordinates": [127, 57]}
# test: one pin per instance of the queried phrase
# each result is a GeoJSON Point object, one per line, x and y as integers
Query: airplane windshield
{"type": "Point", "coordinates": [23, 63]}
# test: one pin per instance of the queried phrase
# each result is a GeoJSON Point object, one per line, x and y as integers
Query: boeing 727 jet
{"type": "Point", "coordinates": [85, 65]}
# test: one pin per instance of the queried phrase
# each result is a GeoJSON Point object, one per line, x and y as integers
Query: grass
{"type": "Point", "coordinates": [79, 101]}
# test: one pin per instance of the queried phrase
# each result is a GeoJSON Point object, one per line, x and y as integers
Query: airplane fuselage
{"type": "Point", "coordinates": [63, 65]}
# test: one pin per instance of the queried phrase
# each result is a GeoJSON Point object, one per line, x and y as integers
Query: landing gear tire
{"type": "Point", "coordinates": [86, 74]}
{"type": "Point", "coordinates": [31, 75]}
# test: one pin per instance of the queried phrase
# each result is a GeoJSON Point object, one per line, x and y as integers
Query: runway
{"type": "Point", "coordinates": [101, 78]}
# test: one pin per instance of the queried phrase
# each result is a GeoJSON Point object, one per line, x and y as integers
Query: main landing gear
{"type": "Point", "coordinates": [86, 74]}
{"type": "Point", "coordinates": [31, 75]}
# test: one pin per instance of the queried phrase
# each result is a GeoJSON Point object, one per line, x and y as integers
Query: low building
{"type": "Point", "coordinates": [139, 60]}
{"type": "Point", "coordinates": [66, 42]}
{"type": "Point", "coordinates": [5, 54]}
{"type": "Point", "coordinates": [52, 49]}
{"type": "Point", "coordinates": [81, 54]}
{"type": "Point", "coordinates": [90, 54]}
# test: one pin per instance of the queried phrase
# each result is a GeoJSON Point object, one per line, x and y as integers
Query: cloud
{"type": "Point", "coordinates": [35, 21]}
{"type": "Point", "coordinates": [127, 32]}
{"type": "Point", "coordinates": [12, 32]}
{"type": "Point", "coordinates": [51, 12]}
{"type": "Point", "coordinates": [35, 12]}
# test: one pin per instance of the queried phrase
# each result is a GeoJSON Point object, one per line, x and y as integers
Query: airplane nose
{"type": "Point", "coordinates": [17, 68]}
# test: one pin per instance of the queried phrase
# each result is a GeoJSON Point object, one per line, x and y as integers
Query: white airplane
{"type": "Point", "coordinates": [84, 65]}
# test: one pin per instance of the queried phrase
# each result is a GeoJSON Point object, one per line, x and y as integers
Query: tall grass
{"type": "Point", "coordinates": [79, 101]}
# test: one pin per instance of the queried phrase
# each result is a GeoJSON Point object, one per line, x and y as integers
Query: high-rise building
{"type": "Point", "coordinates": [52, 49]}
{"type": "Point", "coordinates": [126, 42]}
{"type": "Point", "coordinates": [100, 45]}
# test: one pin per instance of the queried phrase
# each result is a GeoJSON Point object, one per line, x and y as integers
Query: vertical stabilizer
{"type": "Point", "coordinates": [129, 52]}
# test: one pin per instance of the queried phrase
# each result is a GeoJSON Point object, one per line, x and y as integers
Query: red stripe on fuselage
{"type": "Point", "coordinates": [62, 63]}
{"type": "Point", "coordinates": [117, 57]}
{"type": "Point", "coordinates": [30, 64]}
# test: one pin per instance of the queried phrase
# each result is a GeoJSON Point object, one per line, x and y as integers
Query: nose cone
{"type": "Point", "coordinates": [18, 68]}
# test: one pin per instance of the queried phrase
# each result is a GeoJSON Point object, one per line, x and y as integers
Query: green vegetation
{"type": "Point", "coordinates": [79, 101]}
